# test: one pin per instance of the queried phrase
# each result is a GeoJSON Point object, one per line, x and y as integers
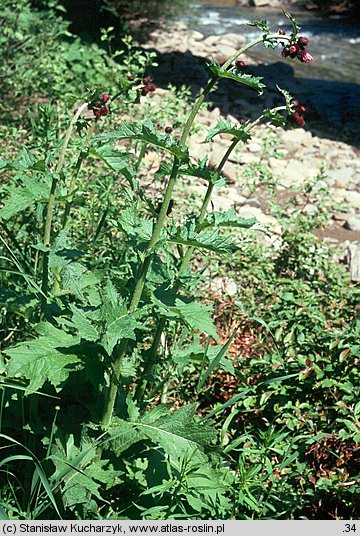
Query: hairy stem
{"type": "Point", "coordinates": [186, 260]}
{"type": "Point", "coordinates": [50, 210]}
{"type": "Point", "coordinates": [139, 286]}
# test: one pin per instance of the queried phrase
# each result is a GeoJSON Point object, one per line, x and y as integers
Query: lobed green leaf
{"type": "Point", "coordinates": [147, 133]}
{"type": "Point", "coordinates": [252, 81]}
{"type": "Point", "coordinates": [43, 359]}
{"type": "Point", "coordinates": [226, 127]}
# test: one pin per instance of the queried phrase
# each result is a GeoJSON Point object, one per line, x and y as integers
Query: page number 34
{"type": "Point", "coordinates": [349, 528]}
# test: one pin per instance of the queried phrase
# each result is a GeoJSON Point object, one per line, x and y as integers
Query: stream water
{"type": "Point", "coordinates": [332, 82]}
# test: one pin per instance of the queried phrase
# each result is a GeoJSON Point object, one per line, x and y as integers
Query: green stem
{"type": "Point", "coordinates": [186, 260]}
{"type": "Point", "coordinates": [139, 286]}
{"type": "Point", "coordinates": [253, 43]}
{"type": "Point", "coordinates": [50, 209]}
{"type": "Point", "coordinates": [81, 158]}
{"type": "Point", "coordinates": [184, 264]}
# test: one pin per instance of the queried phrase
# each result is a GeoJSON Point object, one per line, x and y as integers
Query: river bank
{"type": "Point", "coordinates": [182, 55]}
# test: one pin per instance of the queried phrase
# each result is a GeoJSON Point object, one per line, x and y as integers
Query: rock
{"type": "Point", "coordinates": [261, 3]}
{"type": "Point", "coordinates": [231, 171]}
{"type": "Point", "coordinates": [222, 54]}
{"type": "Point", "coordinates": [353, 259]}
{"type": "Point", "coordinates": [224, 201]}
{"type": "Point", "coordinates": [342, 216]}
{"type": "Point", "coordinates": [341, 176]}
{"type": "Point", "coordinates": [196, 36]}
{"type": "Point", "coordinates": [199, 150]}
{"type": "Point", "coordinates": [218, 150]}
{"type": "Point", "coordinates": [244, 158]}
{"type": "Point", "coordinates": [310, 209]}
{"type": "Point", "coordinates": [211, 41]}
{"type": "Point", "coordinates": [232, 39]}
{"type": "Point", "coordinates": [352, 198]}
{"type": "Point", "coordinates": [321, 185]}
{"type": "Point", "coordinates": [296, 136]}
{"type": "Point", "coordinates": [353, 223]}
{"type": "Point", "coordinates": [254, 147]}
{"type": "Point", "coordinates": [224, 285]}
{"type": "Point", "coordinates": [253, 202]}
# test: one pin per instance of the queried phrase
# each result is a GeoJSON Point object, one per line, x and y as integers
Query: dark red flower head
{"type": "Point", "coordinates": [303, 42]}
{"type": "Point", "coordinates": [304, 56]}
{"type": "Point", "coordinates": [168, 130]}
{"type": "Point", "coordinates": [104, 110]}
{"type": "Point", "coordinates": [282, 31]}
{"type": "Point", "coordinates": [151, 87]}
{"type": "Point", "coordinates": [240, 64]}
{"type": "Point", "coordinates": [298, 119]}
{"type": "Point", "coordinates": [147, 79]}
{"type": "Point", "coordinates": [104, 97]}
{"type": "Point", "coordinates": [293, 50]}
{"type": "Point", "coordinates": [285, 52]}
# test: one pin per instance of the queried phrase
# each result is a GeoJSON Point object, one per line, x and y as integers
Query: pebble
{"type": "Point", "coordinates": [353, 223]}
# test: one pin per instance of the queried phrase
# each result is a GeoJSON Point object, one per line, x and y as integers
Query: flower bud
{"type": "Point", "coordinates": [145, 90]}
{"type": "Point", "coordinates": [282, 31]}
{"type": "Point", "coordinates": [168, 130]}
{"type": "Point", "coordinates": [147, 79]}
{"type": "Point", "coordinates": [303, 42]}
{"type": "Point", "coordinates": [104, 110]}
{"type": "Point", "coordinates": [293, 50]}
{"type": "Point", "coordinates": [240, 64]}
{"type": "Point", "coordinates": [305, 57]}
{"type": "Point", "coordinates": [298, 119]}
{"type": "Point", "coordinates": [151, 87]}
{"type": "Point", "coordinates": [285, 52]}
{"type": "Point", "coordinates": [104, 97]}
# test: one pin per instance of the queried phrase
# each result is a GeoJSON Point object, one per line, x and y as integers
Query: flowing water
{"type": "Point", "coordinates": [334, 41]}
{"type": "Point", "coordinates": [332, 81]}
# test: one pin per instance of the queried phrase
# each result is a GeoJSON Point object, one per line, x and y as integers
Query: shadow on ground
{"type": "Point", "coordinates": [333, 108]}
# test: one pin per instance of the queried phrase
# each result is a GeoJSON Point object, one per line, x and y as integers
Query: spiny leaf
{"type": "Point", "coordinates": [211, 240]}
{"type": "Point", "coordinates": [296, 28]}
{"type": "Point", "coordinates": [114, 159]}
{"type": "Point", "coordinates": [262, 24]}
{"type": "Point", "coordinates": [226, 127]}
{"type": "Point", "coordinates": [175, 432]}
{"type": "Point", "coordinates": [229, 219]}
{"type": "Point", "coordinates": [198, 169]}
{"type": "Point", "coordinates": [22, 198]}
{"type": "Point", "coordinates": [120, 328]}
{"type": "Point", "coordinates": [252, 81]}
{"type": "Point", "coordinates": [138, 229]}
{"type": "Point", "coordinates": [25, 161]}
{"type": "Point", "coordinates": [43, 358]}
{"type": "Point", "coordinates": [197, 315]}
{"type": "Point", "coordinates": [276, 118]}
{"type": "Point", "coordinates": [287, 96]}
{"type": "Point", "coordinates": [147, 133]}
{"type": "Point", "coordinates": [80, 473]}
{"type": "Point", "coordinates": [86, 329]}
{"type": "Point", "coordinates": [192, 313]}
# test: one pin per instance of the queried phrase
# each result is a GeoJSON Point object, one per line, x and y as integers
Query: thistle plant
{"type": "Point", "coordinates": [104, 327]}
